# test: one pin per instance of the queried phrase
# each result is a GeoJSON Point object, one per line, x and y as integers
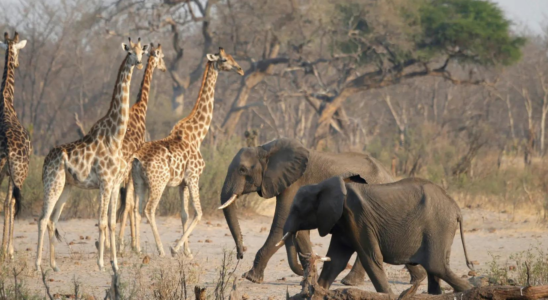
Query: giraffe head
{"type": "Point", "coordinates": [135, 52]}
{"type": "Point", "coordinates": [224, 62]}
{"type": "Point", "coordinates": [13, 46]}
{"type": "Point", "coordinates": [157, 57]}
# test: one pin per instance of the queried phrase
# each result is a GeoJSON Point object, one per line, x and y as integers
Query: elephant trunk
{"type": "Point", "coordinates": [292, 257]}
{"type": "Point", "coordinates": [232, 221]}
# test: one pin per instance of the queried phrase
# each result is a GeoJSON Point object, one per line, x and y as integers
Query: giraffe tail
{"type": "Point", "coordinates": [18, 199]}
{"type": "Point", "coordinates": [123, 202]}
{"type": "Point", "coordinates": [58, 235]}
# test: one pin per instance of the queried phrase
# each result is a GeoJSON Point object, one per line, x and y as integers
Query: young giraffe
{"type": "Point", "coordinates": [15, 144]}
{"type": "Point", "coordinates": [93, 162]}
{"type": "Point", "coordinates": [176, 160]}
{"type": "Point", "coordinates": [135, 137]}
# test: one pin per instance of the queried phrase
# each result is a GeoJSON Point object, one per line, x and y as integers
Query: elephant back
{"type": "Point", "coordinates": [324, 165]}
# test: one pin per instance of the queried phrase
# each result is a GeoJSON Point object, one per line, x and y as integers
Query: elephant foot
{"type": "Point", "coordinates": [353, 279]}
{"type": "Point", "coordinates": [252, 276]}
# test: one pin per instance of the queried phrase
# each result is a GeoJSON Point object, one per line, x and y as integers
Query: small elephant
{"type": "Point", "coordinates": [412, 221]}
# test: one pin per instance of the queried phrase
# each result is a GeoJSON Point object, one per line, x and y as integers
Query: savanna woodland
{"type": "Point", "coordinates": [447, 90]}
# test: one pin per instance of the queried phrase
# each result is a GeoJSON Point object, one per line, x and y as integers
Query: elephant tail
{"type": "Point", "coordinates": [468, 262]}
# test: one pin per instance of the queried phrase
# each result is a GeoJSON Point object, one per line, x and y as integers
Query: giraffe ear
{"type": "Point", "coordinates": [3, 46]}
{"type": "Point", "coordinates": [20, 45]}
{"type": "Point", "coordinates": [125, 47]}
{"type": "Point", "coordinates": [212, 57]}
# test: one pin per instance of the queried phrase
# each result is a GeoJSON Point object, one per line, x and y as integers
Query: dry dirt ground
{"type": "Point", "coordinates": [486, 233]}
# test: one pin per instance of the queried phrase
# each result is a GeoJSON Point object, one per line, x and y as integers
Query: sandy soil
{"type": "Point", "coordinates": [486, 233]}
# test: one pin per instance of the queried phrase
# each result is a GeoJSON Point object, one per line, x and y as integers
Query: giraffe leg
{"type": "Point", "coordinates": [195, 198]}
{"type": "Point", "coordinates": [106, 191]}
{"type": "Point", "coordinates": [129, 210]}
{"type": "Point", "coordinates": [54, 185]}
{"type": "Point", "coordinates": [52, 224]}
{"type": "Point", "coordinates": [112, 224]}
{"type": "Point", "coordinates": [184, 194]}
{"type": "Point", "coordinates": [150, 213]}
{"type": "Point", "coordinates": [139, 192]}
{"type": "Point", "coordinates": [12, 226]}
{"type": "Point", "coordinates": [7, 220]}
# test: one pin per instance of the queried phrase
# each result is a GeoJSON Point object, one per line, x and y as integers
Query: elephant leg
{"type": "Point", "coordinates": [256, 274]}
{"type": "Point", "coordinates": [340, 255]}
{"type": "Point", "coordinates": [417, 276]}
{"type": "Point", "coordinates": [356, 276]}
{"type": "Point", "coordinates": [303, 246]}
{"type": "Point", "coordinates": [434, 287]}
{"type": "Point", "coordinates": [417, 272]}
{"type": "Point", "coordinates": [457, 283]}
{"type": "Point", "coordinates": [373, 265]}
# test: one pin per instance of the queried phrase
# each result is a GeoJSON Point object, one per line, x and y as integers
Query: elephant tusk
{"type": "Point", "coordinates": [282, 241]}
{"type": "Point", "coordinates": [227, 203]}
{"type": "Point", "coordinates": [325, 259]}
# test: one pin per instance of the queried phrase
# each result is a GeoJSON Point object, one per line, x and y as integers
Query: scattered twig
{"type": "Point", "coordinates": [46, 285]}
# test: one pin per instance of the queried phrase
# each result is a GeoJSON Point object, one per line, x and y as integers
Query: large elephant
{"type": "Point", "coordinates": [279, 168]}
{"type": "Point", "coordinates": [412, 222]}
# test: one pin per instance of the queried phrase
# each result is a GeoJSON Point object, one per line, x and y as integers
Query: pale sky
{"type": "Point", "coordinates": [531, 13]}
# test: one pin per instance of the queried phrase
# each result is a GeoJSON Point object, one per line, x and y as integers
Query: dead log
{"type": "Point", "coordinates": [311, 290]}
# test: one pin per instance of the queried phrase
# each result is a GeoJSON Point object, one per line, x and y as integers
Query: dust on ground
{"type": "Point", "coordinates": [486, 234]}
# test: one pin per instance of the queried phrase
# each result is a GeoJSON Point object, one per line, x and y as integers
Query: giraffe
{"type": "Point", "coordinates": [92, 162]}
{"type": "Point", "coordinates": [135, 137]}
{"type": "Point", "coordinates": [176, 160]}
{"type": "Point", "coordinates": [15, 144]}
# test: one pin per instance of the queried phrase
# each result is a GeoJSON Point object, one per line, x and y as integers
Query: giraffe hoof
{"type": "Point", "coordinates": [173, 251]}
{"type": "Point", "coordinates": [189, 255]}
{"type": "Point", "coordinates": [56, 269]}
{"type": "Point", "coordinates": [161, 254]}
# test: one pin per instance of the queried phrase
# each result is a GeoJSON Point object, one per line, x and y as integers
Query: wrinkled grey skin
{"type": "Point", "coordinates": [412, 222]}
{"type": "Point", "coordinates": [279, 168]}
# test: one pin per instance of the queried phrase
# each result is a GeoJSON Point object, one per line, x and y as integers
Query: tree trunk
{"type": "Point", "coordinates": [543, 127]}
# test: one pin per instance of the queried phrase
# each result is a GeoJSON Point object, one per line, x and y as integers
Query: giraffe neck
{"type": "Point", "coordinates": [8, 80]}
{"type": "Point", "coordinates": [142, 97]}
{"type": "Point", "coordinates": [195, 126]}
{"type": "Point", "coordinates": [139, 109]}
{"type": "Point", "coordinates": [118, 114]}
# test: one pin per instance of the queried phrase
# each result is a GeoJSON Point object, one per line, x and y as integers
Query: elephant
{"type": "Point", "coordinates": [412, 221]}
{"type": "Point", "coordinates": [279, 168]}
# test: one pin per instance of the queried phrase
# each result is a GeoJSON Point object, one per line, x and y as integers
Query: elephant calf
{"type": "Point", "coordinates": [412, 221]}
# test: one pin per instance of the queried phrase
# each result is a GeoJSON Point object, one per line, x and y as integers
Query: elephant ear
{"type": "Point", "coordinates": [330, 204]}
{"type": "Point", "coordinates": [285, 161]}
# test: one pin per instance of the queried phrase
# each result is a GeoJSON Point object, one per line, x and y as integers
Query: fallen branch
{"type": "Point", "coordinates": [311, 290]}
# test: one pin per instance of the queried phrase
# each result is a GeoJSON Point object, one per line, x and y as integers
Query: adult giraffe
{"type": "Point", "coordinates": [176, 160]}
{"type": "Point", "coordinates": [15, 144]}
{"type": "Point", "coordinates": [135, 138]}
{"type": "Point", "coordinates": [92, 162]}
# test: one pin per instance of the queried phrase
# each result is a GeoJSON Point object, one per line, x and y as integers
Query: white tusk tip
{"type": "Point", "coordinates": [325, 259]}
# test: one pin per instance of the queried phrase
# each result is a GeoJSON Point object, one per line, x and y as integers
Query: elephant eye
{"type": "Point", "coordinates": [242, 170]}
